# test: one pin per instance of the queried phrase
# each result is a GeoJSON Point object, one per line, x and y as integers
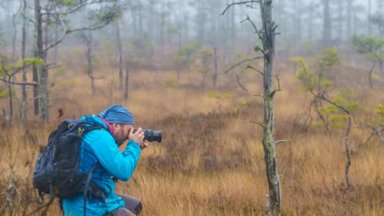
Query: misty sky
{"type": "Point", "coordinates": [10, 10]}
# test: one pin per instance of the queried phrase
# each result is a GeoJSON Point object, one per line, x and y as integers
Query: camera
{"type": "Point", "coordinates": [151, 135]}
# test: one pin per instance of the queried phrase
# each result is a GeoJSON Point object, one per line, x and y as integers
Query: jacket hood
{"type": "Point", "coordinates": [94, 119]}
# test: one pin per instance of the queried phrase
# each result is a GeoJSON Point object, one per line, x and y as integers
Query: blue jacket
{"type": "Point", "coordinates": [100, 146]}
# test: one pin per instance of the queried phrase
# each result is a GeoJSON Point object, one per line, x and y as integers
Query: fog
{"type": "Point", "coordinates": [157, 29]}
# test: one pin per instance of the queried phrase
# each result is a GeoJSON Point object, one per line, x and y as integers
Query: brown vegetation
{"type": "Point", "coordinates": [211, 159]}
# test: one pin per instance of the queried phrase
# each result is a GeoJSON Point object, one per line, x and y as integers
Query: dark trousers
{"type": "Point", "coordinates": [133, 206]}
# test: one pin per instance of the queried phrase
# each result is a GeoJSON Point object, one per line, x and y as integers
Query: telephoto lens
{"type": "Point", "coordinates": [151, 135]}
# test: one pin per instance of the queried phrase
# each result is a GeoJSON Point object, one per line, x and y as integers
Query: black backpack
{"type": "Point", "coordinates": [57, 169]}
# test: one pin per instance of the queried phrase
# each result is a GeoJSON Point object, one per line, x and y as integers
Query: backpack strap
{"type": "Point", "coordinates": [106, 123]}
{"type": "Point", "coordinates": [87, 182]}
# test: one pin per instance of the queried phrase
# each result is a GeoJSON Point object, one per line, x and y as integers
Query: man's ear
{"type": "Point", "coordinates": [116, 127]}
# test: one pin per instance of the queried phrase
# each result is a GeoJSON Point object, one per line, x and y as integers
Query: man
{"type": "Point", "coordinates": [100, 151]}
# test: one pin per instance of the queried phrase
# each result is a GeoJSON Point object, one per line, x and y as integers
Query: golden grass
{"type": "Point", "coordinates": [211, 160]}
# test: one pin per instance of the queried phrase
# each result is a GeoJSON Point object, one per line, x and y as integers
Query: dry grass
{"type": "Point", "coordinates": [211, 159]}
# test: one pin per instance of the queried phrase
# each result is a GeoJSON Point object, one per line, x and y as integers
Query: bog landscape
{"type": "Point", "coordinates": [265, 107]}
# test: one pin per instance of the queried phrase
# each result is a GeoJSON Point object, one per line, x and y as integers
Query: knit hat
{"type": "Point", "coordinates": [117, 114]}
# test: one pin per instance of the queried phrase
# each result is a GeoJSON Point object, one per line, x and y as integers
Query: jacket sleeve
{"type": "Point", "coordinates": [118, 164]}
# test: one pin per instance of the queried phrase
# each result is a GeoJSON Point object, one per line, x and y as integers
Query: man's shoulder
{"type": "Point", "coordinates": [98, 135]}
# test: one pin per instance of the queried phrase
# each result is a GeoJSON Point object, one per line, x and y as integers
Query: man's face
{"type": "Point", "coordinates": [121, 132]}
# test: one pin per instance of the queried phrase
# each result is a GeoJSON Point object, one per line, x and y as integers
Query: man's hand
{"type": "Point", "coordinates": [138, 136]}
{"type": "Point", "coordinates": [144, 144]}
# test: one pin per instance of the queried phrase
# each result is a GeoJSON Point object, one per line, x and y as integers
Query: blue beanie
{"type": "Point", "coordinates": [117, 114]}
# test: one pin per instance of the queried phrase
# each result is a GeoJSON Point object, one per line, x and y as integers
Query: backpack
{"type": "Point", "coordinates": [57, 169]}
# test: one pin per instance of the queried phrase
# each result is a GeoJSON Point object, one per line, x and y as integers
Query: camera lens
{"type": "Point", "coordinates": [151, 135]}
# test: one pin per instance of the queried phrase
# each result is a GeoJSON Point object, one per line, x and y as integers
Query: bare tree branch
{"type": "Point", "coordinates": [255, 69]}
{"type": "Point", "coordinates": [68, 31]}
{"type": "Point", "coordinates": [252, 23]}
{"type": "Point", "coordinates": [376, 131]}
{"type": "Point", "coordinates": [281, 141]}
{"type": "Point", "coordinates": [239, 82]}
{"type": "Point", "coordinates": [258, 123]}
{"type": "Point", "coordinates": [17, 83]}
{"type": "Point", "coordinates": [259, 95]}
{"type": "Point", "coordinates": [76, 7]}
{"type": "Point", "coordinates": [241, 62]}
{"type": "Point", "coordinates": [239, 3]}
{"type": "Point", "coordinates": [257, 31]}
{"type": "Point", "coordinates": [278, 86]}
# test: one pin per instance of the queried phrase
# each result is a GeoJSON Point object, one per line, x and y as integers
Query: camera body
{"type": "Point", "coordinates": [151, 135]}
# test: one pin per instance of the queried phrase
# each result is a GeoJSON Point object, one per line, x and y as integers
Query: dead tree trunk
{"type": "Point", "coordinates": [120, 53]}
{"type": "Point", "coordinates": [267, 36]}
{"type": "Point", "coordinates": [14, 36]}
{"type": "Point", "coordinates": [268, 41]}
{"type": "Point", "coordinates": [215, 74]}
{"type": "Point", "coordinates": [43, 84]}
{"type": "Point", "coordinates": [38, 45]}
{"type": "Point", "coordinates": [40, 73]}
{"type": "Point", "coordinates": [9, 120]}
{"type": "Point", "coordinates": [89, 43]}
{"type": "Point", "coordinates": [126, 81]}
{"type": "Point", "coordinates": [56, 49]}
{"type": "Point", "coordinates": [23, 45]}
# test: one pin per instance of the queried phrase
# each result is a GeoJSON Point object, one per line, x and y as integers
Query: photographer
{"type": "Point", "coordinates": [100, 154]}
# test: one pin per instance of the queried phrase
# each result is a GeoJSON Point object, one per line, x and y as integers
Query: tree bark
{"type": "Point", "coordinates": [89, 42]}
{"type": "Point", "coordinates": [269, 92]}
{"type": "Point", "coordinates": [38, 47]}
{"type": "Point", "coordinates": [120, 53]}
{"type": "Point", "coordinates": [23, 45]}
{"type": "Point", "coordinates": [126, 81]}
{"type": "Point", "coordinates": [56, 49]}
{"type": "Point", "coordinates": [9, 120]}
{"type": "Point", "coordinates": [162, 31]}
{"type": "Point", "coordinates": [14, 36]}
{"type": "Point", "coordinates": [44, 99]}
{"type": "Point", "coordinates": [215, 74]}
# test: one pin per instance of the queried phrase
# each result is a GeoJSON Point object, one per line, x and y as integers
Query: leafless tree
{"type": "Point", "coordinates": [267, 36]}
